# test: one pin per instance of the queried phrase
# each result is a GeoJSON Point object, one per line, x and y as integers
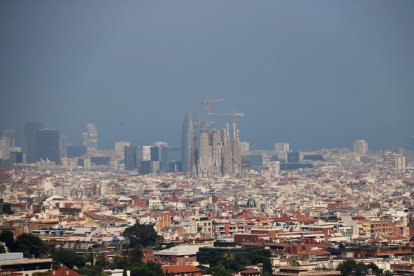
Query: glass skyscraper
{"type": "Point", "coordinates": [187, 142]}
{"type": "Point", "coordinates": [48, 145]}
{"type": "Point", "coordinates": [30, 141]}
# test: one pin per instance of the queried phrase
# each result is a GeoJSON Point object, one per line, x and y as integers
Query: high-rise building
{"type": "Point", "coordinates": [294, 157]}
{"type": "Point", "coordinates": [236, 151]}
{"type": "Point", "coordinates": [155, 153]}
{"type": "Point", "coordinates": [75, 151]}
{"type": "Point", "coordinates": [119, 148]}
{"type": "Point", "coordinates": [395, 162]}
{"type": "Point", "coordinates": [281, 147]}
{"type": "Point", "coordinates": [144, 153]}
{"type": "Point", "coordinates": [90, 137]}
{"type": "Point", "coordinates": [170, 159]}
{"type": "Point", "coordinates": [9, 135]}
{"type": "Point", "coordinates": [130, 157]}
{"type": "Point", "coordinates": [187, 143]}
{"type": "Point", "coordinates": [361, 147]}
{"type": "Point", "coordinates": [63, 146]}
{"type": "Point", "coordinates": [48, 145]}
{"type": "Point", "coordinates": [274, 168]}
{"type": "Point", "coordinates": [160, 148]}
{"type": "Point", "coordinates": [244, 147]}
{"type": "Point", "coordinates": [30, 141]}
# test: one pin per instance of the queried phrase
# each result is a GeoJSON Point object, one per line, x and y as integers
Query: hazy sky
{"type": "Point", "coordinates": [314, 73]}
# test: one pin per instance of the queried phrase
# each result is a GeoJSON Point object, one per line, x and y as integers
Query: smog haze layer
{"type": "Point", "coordinates": [313, 73]}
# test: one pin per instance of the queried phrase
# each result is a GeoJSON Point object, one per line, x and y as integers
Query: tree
{"type": "Point", "coordinates": [155, 268]}
{"type": "Point", "coordinates": [90, 271]}
{"type": "Point", "coordinates": [7, 209]}
{"type": "Point", "coordinates": [351, 265]}
{"type": "Point", "coordinates": [30, 245]}
{"type": "Point", "coordinates": [141, 234]}
{"type": "Point", "coordinates": [294, 263]}
{"type": "Point", "coordinates": [136, 254]}
{"type": "Point", "coordinates": [150, 269]}
{"type": "Point", "coordinates": [7, 237]}
{"type": "Point", "coordinates": [259, 255]}
{"type": "Point", "coordinates": [68, 258]}
{"type": "Point", "coordinates": [267, 267]}
{"type": "Point", "coordinates": [346, 267]}
{"type": "Point", "coordinates": [218, 270]}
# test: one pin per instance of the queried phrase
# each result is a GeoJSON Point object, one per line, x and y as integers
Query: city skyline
{"type": "Point", "coordinates": [319, 74]}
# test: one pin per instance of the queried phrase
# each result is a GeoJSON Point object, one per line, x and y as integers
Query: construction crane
{"type": "Point", "coordinates": [203, 123]}
{"type": "Point", "coordinates": [234, 114]}
{"type": "Point", "coordinates": [207, 102]}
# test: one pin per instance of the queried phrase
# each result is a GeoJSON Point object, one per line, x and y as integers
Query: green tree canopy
{"type": "Point", "coordinates": [140, 235]}
{"type": "Point", "coordinates": [267, 267]}
{"type": "Point", "coordinates": [6, 236]}
{"type": "Point", "coordinates": [150, 269]}
{"type": "Point", "coordinates": [90, 271]}
{"type": "Point", "coordinates": [30, 245]}
{"type": "Point", "coordinates": [68, 258]}
{"type": "Point", "coordinates": [218, 270]}
{"type": "Point", "coordinates": [360, 268]}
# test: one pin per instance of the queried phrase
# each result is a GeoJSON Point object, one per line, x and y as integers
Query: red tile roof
{"type": "Point", "coordinates": [64, 271]}
{"type": "Point", "coordinates": [180, 269]}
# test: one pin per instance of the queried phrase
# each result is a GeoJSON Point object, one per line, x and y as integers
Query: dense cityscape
{"type": "Point", "coordinates": [211, 206]}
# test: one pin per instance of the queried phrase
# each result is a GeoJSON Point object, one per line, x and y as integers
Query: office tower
{"type": "Point", "coordinates": [170, 159]}
{"type": "Point", "coordinates": [236, 151]}
{"type": "Point", "coordinates": [244, 147]}
{"type": "Point", "coordinates": [90, 137]}
{"type": "Point", "coordinates": [154, 153]}
{"type": "Point", "coordinates": [395, 162]}
{"type": "Point", "coordinates": [144, 153]}
{"type": "Point", "coordinates": [281, 147]}
{"type": "Point", "coordinates": [76, 151]}
{"type": "Point", "coordinates": [227, 155]}
{"type": "Point", "coordinates": [16, 157]}
{"type": "Point", "coordinates": [48, 145]}
{"type": "Point", "coordinates": [4, 148]}
{"type": "Point", "coordinates": [63, 146]}
{"type": "Point", "coordinates": [119, 148]}
{"type": "Point", "coordinates": [274, 168]}
{"type": "Point", "coordinates": [361, 147]}
{"type": "Point", "coordinates": [130, 157]}
{"type": "Point", "coordinates": [161, 147]}
{"type": "Point", "coordinates": [155, 167]}
{"type": "Point", "coordinates": [30, 141]}
{"type": "Point", "coordinates": [187, 143]}
{"type": "Point", "coordinates": [9, 135]}
{"type": "Point", "coordinates": [255, 160]}
{"type": "Point", "coordinates": [282, 156]}
{"type": "Point", "coordinates": [293, 157]}
{"type": "Point", "coordinates": [161, 144]}
{"type": "Point", "coordinates": [144, 167]}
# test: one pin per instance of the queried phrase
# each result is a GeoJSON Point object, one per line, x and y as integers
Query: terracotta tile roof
{"type": "Point", "coordinates": [180, 269]}
{"type": "Point", "coordinates": [64, 271]}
